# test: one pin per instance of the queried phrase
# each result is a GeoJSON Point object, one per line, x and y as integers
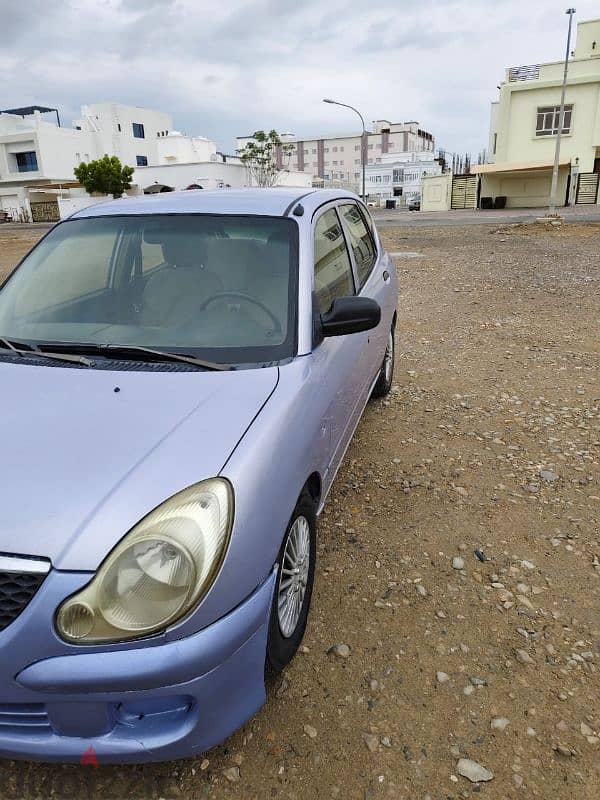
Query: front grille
{"type": "Point", "coordinates": [16, 591]}
{"type": "Point", "coordinates": [23, 718]}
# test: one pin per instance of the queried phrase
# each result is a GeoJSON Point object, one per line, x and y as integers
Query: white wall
{"type": "Point", "coordinates": [112, 125]}
{"type": "Point", "coordinates": [209, 175]}
{"type": "Point", "coordinates": [437, 192]}
{"type": "Point", "coordinates": [179, 149]}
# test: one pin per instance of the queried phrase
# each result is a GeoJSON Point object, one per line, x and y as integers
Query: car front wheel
{"type": "Point", "coordinates": [386, 374]}
{"type": "Point", "coordinates": [293, 591]}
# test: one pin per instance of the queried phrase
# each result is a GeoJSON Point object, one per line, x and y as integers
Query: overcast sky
{"type": "Point", "coordinates": [229, 68]}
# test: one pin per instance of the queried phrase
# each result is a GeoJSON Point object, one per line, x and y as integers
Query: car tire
{"type": "Point", "coordinates": [386, 373]}
{"type": "Point", "coordinates": [288, 620]}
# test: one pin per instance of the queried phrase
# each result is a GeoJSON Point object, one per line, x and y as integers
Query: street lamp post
{"type": "Point", "coordinates": [363, 157]}
{"type": "Point", "coordinates": [561, 119]}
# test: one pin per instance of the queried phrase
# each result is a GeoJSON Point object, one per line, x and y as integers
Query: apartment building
{"type": "Point", "coordinates": [524, 124]}
{"type": "Point", "coordinates": [400, 175]}
{"type": "Point", "coordinates": [338, 157]}
{"type": "Point", "coordinates": [36, 152]}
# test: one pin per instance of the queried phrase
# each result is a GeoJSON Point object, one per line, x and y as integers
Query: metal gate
{"type": "Point", "coordinates": [587, 188]}
{"type": "Point", "coordinates": [464, 191]}
{"type": "Point", "coordinates": [46, 211]}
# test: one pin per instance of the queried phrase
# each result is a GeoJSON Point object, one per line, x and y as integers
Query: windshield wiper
{"type": "Point", "coordinates": [24, 349]}
{"type": "Point", "coordinates": [130, 350]}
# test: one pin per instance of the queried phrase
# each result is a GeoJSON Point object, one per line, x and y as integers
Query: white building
{"type": "Point", "coordinates": [338, 157]}
{"type": "Point", "coordinates": [177, 148]}
{"type": "Point", "coordinates": [524, 124]}
{"type": "Point", "coordinates": [400, 175]}
{"type": "Point", "coordinates": [36, 152]}
{"type": "Point", "coordinates": [221, 173]}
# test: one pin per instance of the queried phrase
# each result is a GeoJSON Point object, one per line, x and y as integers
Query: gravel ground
{"type": "Point", "coordinates": [459, 558]}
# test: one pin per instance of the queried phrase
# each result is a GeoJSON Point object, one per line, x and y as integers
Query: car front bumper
{"type": "Point", "coordinates": [164, 701]}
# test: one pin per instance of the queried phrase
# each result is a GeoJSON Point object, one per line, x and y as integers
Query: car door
{"type": "Point", "coordinates": [373, 280]}
{"type": "Point", "coordinates": [336, 358]}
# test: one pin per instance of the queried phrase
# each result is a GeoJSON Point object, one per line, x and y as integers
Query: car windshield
{"type": "Point", "coordinates": [217, 287]}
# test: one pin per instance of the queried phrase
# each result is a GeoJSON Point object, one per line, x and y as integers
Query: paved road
{"type": "Point", "coordinates": [392, 219]}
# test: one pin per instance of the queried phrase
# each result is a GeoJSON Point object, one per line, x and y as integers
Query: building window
{"type": "Point", "coordinates": [138, 130]}
{"type": "Point", "coordinates": [141, 161]}
{"type": "Point", "coordinates": [341, 149]}
{"type": "Point", "coordinates": [386, 178]}
{"type": "Point", "coordinates": [314, 150]}
{"type": "Point", "coordinates": [495, 143]}
{"type": "Point", "coordinates": [398, 175]}
{"type": "Point", "coordinates": [370, 147]}
{"type": "Point", "coordinates": [119, 127]}
{"type": "Point", "coordinates": [357, 147]}
{"type": "Point", "coordinates": [26, 162]}
{"type": "Point", "coordinates": [548, 120]}
{"type": "Point", "coordinates": [335, 149]}
{"type": "Point", "coordinates": [325, 149]}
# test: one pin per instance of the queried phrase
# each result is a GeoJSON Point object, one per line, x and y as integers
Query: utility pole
{"type": "Point", "coordinates": [561, 120]}
{"type": "Point", "coordinates": [363, 140]}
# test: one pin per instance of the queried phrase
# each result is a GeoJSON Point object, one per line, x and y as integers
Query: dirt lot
{"type": "Point", "coordinates": [459, 556]}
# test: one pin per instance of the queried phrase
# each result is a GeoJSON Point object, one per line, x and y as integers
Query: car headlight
{"type": "Point", "coordinates": [158, 572]}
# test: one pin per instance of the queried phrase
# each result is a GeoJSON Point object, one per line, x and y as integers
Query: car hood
{"type": "Point", "coordinates": [87, 453]}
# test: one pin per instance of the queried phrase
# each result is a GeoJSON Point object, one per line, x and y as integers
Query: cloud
{"type": "Point", "coordinates": [227, 69]}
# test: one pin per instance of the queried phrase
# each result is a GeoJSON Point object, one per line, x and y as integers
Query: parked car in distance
{"type": "Point", "coordinates": [414, 204]}
{"type": "Point", "coordinates": [181, 376]}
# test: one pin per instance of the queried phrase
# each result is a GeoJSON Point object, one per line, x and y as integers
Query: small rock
{"type": "Point", "coordinates": [517, 780]}
{"type": "Point", "coordinates": [310, 731]}
{"type": "Point", "coordinates": [586, 730]}
{"type": "Point", "coordinates": [473, 771]}
{"type": "Point", "coordinates": [442, 677]}
{"type": "Point", "coordinates": [371, 741]}
{"type": "Point", "coordinates": [232, 774]}
{"type": "Point", "coordinates": [458, 562]}
{"type": "Point", "coordinates": [478, 681]}
{"type": "Point", "coordinates": [205, 764]}
{"type": "Point", "coordinates": [421, 589]}
{"type": "Point", "coordinates": [523, 657]}
{"type": "Point", "coordinates": [468, 690]}
{"type": "Point", "coordinates": [563, 750]}
{"type": "Point", "coordinates": [548, 476]}
{"type": "Point", "coordinates": [340, 650]}
{"type": "Point", "coordinates": [500, 723]}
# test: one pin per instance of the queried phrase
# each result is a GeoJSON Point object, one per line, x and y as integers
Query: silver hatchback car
{"type": "Point", "coordinates": [181, 376]}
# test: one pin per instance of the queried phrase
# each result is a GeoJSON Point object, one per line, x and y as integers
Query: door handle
{"type": "Point", "coordinates": [386, 276]}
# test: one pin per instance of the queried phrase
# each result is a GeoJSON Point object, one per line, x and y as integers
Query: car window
{"type": "Point", "coordinates": [221, 287]}
{"type": "Point", "coordinates": [73, 268]}
{"type": "Point", "coordinates": [333, 271]}
{"type": "Point", "coordinates": [360, 241]}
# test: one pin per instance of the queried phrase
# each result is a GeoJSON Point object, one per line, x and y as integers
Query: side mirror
{"type": "Point", "coordinates": [350, 315]}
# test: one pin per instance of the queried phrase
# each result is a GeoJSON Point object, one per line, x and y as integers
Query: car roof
{"type": "Point", "coordinates": [276, 202]}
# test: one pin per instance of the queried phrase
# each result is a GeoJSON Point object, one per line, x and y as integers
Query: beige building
{"type": "Point", "coordinates": [524, 124]}
{"type": "Point", "coordinates": [338, 158]}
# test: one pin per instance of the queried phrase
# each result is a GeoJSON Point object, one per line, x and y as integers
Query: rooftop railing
{"type": "Point", "coordinates": [530, 72]}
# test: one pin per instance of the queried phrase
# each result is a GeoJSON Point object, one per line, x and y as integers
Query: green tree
{"type": "Point", "coordinates": [260, 156]}
{"type": "Point", "coordinates": [106, 175]}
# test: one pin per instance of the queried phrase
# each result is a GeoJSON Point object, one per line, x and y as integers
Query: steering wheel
{"type": "Point", "coordinates": [246, 298]}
